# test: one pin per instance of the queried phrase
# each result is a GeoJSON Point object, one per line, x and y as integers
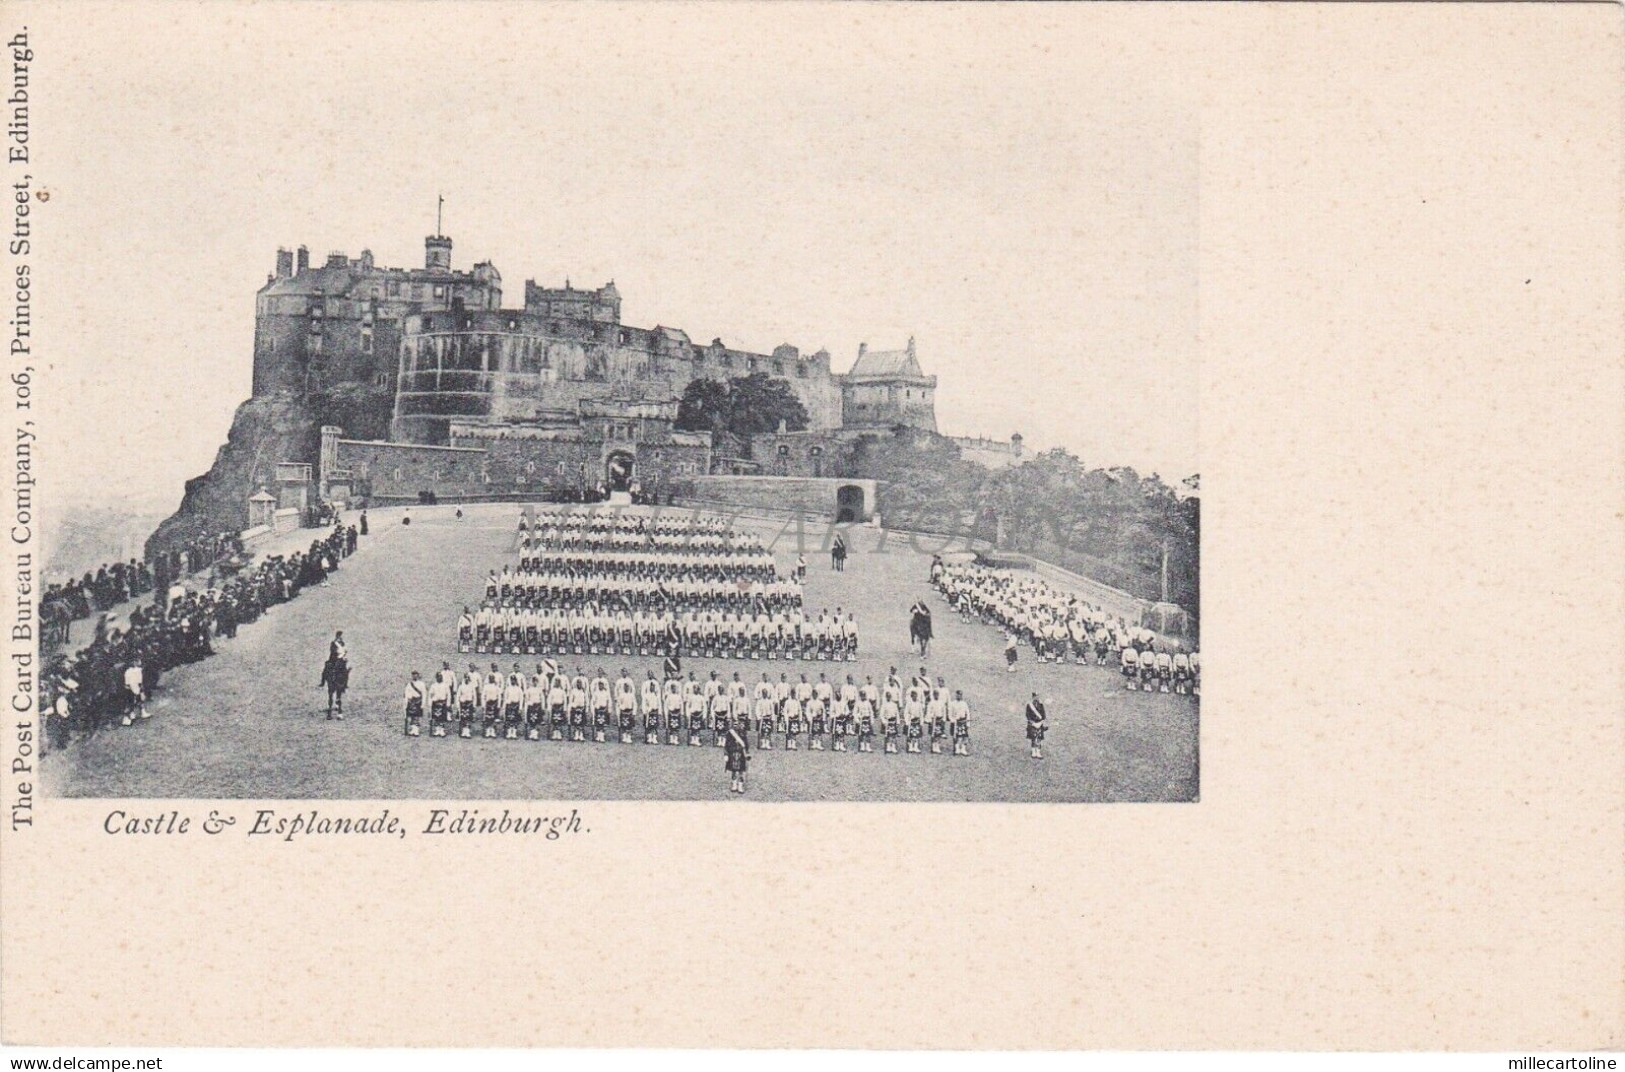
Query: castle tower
{"type": "Point", "coordinates": [437, 253]}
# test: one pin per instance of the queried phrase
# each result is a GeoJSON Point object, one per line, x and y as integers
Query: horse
{"type": "Point", "coordinates": [919, 628]}
{"type": "Point", "coordinates": [336, 678]}
{"type": "Point", "coordinates": [837, 555]}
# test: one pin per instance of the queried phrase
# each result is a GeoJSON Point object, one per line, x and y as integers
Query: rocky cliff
{"type": "Point", "coordinates": [281, 427]}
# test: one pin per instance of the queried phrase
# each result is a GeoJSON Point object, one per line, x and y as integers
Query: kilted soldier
{"type": "Point", "coordinates": [937, 723]}
{"type": "Point", "coordinates": [766, 712]}
{"type": "Point", "coordinates": [738, 758]}
{"type": "Point", "coordinates": [516, 633]}
{"type": "Point", "coordinates": [673, 664]}
{"type": "Point", "coordinates": [578, 709]}
{"type": "Point", "coordinates": [626, 705]}
{"type": "Point", "coordinates": [772, 635]}
{"type": "Point", "coordinates": [866, 725]}
{"type": "Point", "coordinates": [817, 722]}
{"type": "Point", "coordinates": [721, 718]}
{"type": "Point", "coordinates": [694, 707]}
{"type": "Point", "coordinates": [891, 728]}
{"type": "Point", "coordinates": [440, 691]}
{"type": "Point", "coordinates": [491, 696]}
{"type": "Point", "coordinates": [416, 690]}
{"type": "Point", "coordinates": [863, 709]}
{"type": "Point", "coordinates": [513, 704]}
{"type": "Point", "coordinates": [781, 692]}
{"type": "Point", "coordinates": [558, 703]}
{"type": "Point", "coordinates": [651, 710]}
{"type": "Point", "coordinates": [1010, 650]}
{"type": "Point", "coordinates": [840, 727]}
{"type": "Point", "coordinates": [468, 698]}
{"type": "Point", "coordinates": [790, 711]}
{"type": "Point", "coordinates": [919, 692]}
{"type": "Point", "coordinates": [600, 709]}
{"type": "Point", "coordinates": [1037, 723]}
{"type": "Point", "coordinates": [1165, 670]}
{"type": "Point", "coordinates": [1148, 671]}
{"type": "Point", "coordinates": [465, 632]}
{"type": "Point", "coordinates": [960, 712]}
{"type": "Point", "coordinates": [482, 630]}
{"type": "Point", "coordinates": [1131, 669]}
{"type": "Point", "coordinates": [915, 732]}
{"type": "Point", "coordinates": [535, 705]}
{"type": "Point", "coordinates": [672, 704]}
{"type": "Point", "coordinates": [493, 587]}
{"type": "Point", "coordinates": [719, 714]}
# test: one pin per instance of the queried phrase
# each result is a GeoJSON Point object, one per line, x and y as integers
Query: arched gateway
{"type": "Point", "coordinates": [618, 468]}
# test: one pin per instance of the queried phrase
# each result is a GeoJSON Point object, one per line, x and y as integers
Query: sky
{"type": "Point", "coordinates": [1020, 199]}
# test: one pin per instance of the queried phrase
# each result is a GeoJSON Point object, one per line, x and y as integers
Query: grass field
{"type": "Point", "coordinates": [250, 721]}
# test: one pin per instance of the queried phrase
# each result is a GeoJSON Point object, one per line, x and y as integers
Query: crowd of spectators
{"type": "Point", "coordinates": [108, 681]}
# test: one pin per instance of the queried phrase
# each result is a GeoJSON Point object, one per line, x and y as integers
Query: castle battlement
{"type": "Point", "coordinates": [436, 343]}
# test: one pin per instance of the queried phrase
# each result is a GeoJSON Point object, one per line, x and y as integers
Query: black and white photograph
{"type": "Point", "coordinates": [845, 452]}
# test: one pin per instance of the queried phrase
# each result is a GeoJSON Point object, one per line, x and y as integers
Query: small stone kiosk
{"type": "Point", "coordinates": [261, 510]}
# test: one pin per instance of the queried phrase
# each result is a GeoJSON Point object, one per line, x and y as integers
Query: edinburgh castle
{"type": "Point", "coordinates": [386, 383]}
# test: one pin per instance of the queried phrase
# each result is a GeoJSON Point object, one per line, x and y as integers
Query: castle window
{"type": "Point", "coordinates": [512, 323]}
{"type": "Point", "coordinates": [624, 337]}
{"type": "Point", "coordinates": [382, 379]}
{"type": "Point", "coordinates": [366, 341]}
{"type": "Point", "coordinates": [440, 292]}
{"type": "Point", "coordinates": [784, 450]}
{"type": "Point", "coordinates": [553, 327]}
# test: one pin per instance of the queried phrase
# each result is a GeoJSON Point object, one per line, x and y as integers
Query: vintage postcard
{"type": "Point", "coordinates": [556, 508]}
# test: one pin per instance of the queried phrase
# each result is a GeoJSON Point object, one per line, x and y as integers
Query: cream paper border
{"type": "Point", "coordinates": [1410, 827]}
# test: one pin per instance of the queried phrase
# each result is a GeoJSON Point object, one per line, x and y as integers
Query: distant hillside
{"type": "Point", "coordinates": [83, 536]}
{"type": "Point", "coordinates": [1107, 524]}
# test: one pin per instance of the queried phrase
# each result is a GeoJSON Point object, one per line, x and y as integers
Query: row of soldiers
{"type": "Point", "coordinates": [659, 564]}
{"type": "Point", "coordinates": [1151, 671]}
{"type": "Point", "coordinates": [609, 532]}
{"type": "Point", "coordinates": [1058, 626]}
{"type": "Point", "coordinates": [573, 706]}
{"type": "Point", "coordinates": [96, 687]}
{"type": "Point", "coordinates": [713, 634]}
{"type": "Point", "coordinates": [579, 586]}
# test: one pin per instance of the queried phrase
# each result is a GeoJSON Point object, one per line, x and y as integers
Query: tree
{"type": "Point", "coordinates": [704, 407]}
{"type": "Point", "coordinates": [747, 406]}
{"type": "Point", "coordinates": [760, 403]}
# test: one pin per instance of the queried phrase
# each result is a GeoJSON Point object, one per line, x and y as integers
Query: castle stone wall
{"type": "Point", "coordinates": [786, 495]}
